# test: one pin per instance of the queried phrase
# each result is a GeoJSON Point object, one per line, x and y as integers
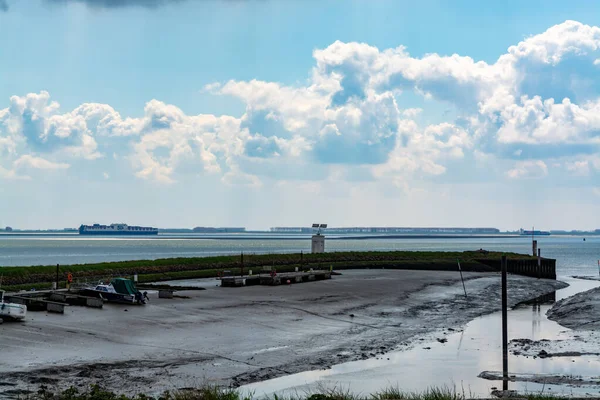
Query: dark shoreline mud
{"type": "Point", "coordinates": [237, 336]}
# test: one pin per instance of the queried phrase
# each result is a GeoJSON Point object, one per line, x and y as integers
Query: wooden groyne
{"type": "Point", "coordinates": [272, 279]}
{"type": "Point", "coordinates": [544, 268]}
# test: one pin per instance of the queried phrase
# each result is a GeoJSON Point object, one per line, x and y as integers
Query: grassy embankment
{"type": "Point", "coordinates": [216, 393]}
{"type": "Point", "coordinates": [40, 277]}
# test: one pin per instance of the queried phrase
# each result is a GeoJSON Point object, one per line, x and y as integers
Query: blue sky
{"type": "Point", "coordinates": [265, 113]}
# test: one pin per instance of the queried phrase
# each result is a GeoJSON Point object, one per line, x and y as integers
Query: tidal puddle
{"type": "Point", "coordinates": [457, 362]}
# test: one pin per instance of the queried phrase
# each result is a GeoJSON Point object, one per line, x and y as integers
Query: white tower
{"type": "Point", "coordinates": [318, 240]}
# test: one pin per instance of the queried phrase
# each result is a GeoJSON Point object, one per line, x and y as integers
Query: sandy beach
{"type": "Point", "coordinates": [234, 336]}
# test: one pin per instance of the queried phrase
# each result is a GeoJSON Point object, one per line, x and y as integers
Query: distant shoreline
{"type": "Point", "coordinates": [265, 236]}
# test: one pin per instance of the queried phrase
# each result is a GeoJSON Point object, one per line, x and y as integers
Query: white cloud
{"type": "Point", "coordinates": [412, 112]}
{"type": "Point", "coordinates": [237, 177]}
{"type": "Point", "coordinates": [539, 101]}
{"type": "Point", "coordinates": [528, 170]}
{"type": "Point", "coordinates": [535, 121]}
{"type": "Point", "coordinates": [11, 175]}
{"type": "Point", "coordinates": [28, 161]}
{"type": "Point", "coordinates": [105, 175]}
{"type": "Point", "coordinates": [580, 168]}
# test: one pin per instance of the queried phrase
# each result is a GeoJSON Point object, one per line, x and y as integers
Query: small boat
{"type": "Point", "coordinates": [11, 311]}
{"type": "Point", "coordinates": [119, 290]}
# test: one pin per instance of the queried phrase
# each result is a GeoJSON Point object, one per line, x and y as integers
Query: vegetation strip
{"type": "Point", "coordinates": [39, 277]}
{"type": "Point", "coordinates": [217, 393]}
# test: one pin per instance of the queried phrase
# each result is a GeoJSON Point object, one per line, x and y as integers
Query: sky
{"type": "Point", "coordinates": [261, 113]}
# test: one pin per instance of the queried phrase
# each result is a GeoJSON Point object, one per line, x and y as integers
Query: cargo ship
{"type": "Point", "coordinates": [534, 233]}
{"type": "Point", "coordinates": [116, 229]}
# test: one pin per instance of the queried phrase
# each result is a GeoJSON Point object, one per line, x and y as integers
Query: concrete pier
{"type": "Point", "coordinates": [53, 301]}
{"type": "Point", "coordinates": [77, 300]}
{"type": "Point", "coordinates": [37, 304]}
{"type": "Point", "coordinates": [274, 279]}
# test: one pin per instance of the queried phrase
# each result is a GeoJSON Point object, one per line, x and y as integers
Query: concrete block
{"type": "Point", "coordinates": [62, 298]}
{"type": "Point", "coordinates": [55, 308]}
{"type": "Point", "coordinates": [165, 294]}
{"type": "Point", "coordinates": [94, 302]}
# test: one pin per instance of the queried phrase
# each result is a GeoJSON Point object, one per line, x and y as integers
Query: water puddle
{"type": "Point", "coordinates": [458, 361]}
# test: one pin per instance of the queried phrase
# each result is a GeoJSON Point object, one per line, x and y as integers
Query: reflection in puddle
{"type": "Point", "coordinates": [458, 361]}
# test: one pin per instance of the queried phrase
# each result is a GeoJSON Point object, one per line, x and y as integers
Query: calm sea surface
{"type": "Point", "coordinates": [575, 256]}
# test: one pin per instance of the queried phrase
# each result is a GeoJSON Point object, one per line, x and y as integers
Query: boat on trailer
{"type": "Point", "coordinates": [11, 311]}
{"type": "Point", "coordinates": [119, 290]}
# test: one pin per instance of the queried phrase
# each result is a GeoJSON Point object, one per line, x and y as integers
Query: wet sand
{"type": "Point", "coordinates": [234, 336]}
{"type": "Point", "coordinates": [581, 314]}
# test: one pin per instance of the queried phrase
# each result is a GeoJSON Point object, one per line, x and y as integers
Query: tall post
{"type": "Point", "coordinates": [56, 276]}
{"type": "Point", "coordinates": [461, 278]}
{"type": "Point", "coordinates": [504, 327]}
{"type": "Point", "coordinates": [242, 260]}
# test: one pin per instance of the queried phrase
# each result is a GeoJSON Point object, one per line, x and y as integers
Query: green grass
{"type": "Point", "coordinates": [434, 393]}
{"type": "Point", "coordinates": [204, 267]}
{"type": "Point", "coordinates": [212, 392]}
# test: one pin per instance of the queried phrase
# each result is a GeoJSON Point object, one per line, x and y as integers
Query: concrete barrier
{"type": "Point", "coordinates": [165, 294]}
{"type": "Point", "coordinates": [94, 302]}
{"type": "Point", "coordinates": [55, 307]}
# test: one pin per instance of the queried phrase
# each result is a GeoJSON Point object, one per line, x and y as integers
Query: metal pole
{"type": "Point", "coordinates": [56, 276]}
{"type": "Point", "coordinates": [504, 328]}
{"type": "Point", "coordinates": [461, 278]}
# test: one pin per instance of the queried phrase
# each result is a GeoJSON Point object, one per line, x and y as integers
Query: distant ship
{"type": "Point", "coordinates": [534, 233]}
{"type": "Point", "coordinates": [116, 229]}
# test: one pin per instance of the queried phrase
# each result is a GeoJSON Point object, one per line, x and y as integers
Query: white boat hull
{"type": "Point", "coordinates": [11, 311]}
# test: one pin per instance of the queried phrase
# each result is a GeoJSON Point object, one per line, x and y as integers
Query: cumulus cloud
{"type": "Point", "coordinates": [580, 168]}
{"type": "Point", "coordinates": [537, 103]}
{"type": "Point", "coordinates": [7, 174]}
{"type": "Point", "coordinates": [528, 169]}
{"type": "Point", "coordinates": [33, 121]}
{"type": "Point", "coordinates": [28, 161]}
{"type": "Point", "coordinates": [412, 112]}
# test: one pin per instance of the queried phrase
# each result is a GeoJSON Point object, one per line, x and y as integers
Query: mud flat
{"type": "Point", "coordinates": [243, 335]}
{"type": "Point", "coordinates": [580, 313]}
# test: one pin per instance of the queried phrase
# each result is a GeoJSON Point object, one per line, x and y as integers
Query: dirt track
{"type": "Point", "coordinates": [240, 335]}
